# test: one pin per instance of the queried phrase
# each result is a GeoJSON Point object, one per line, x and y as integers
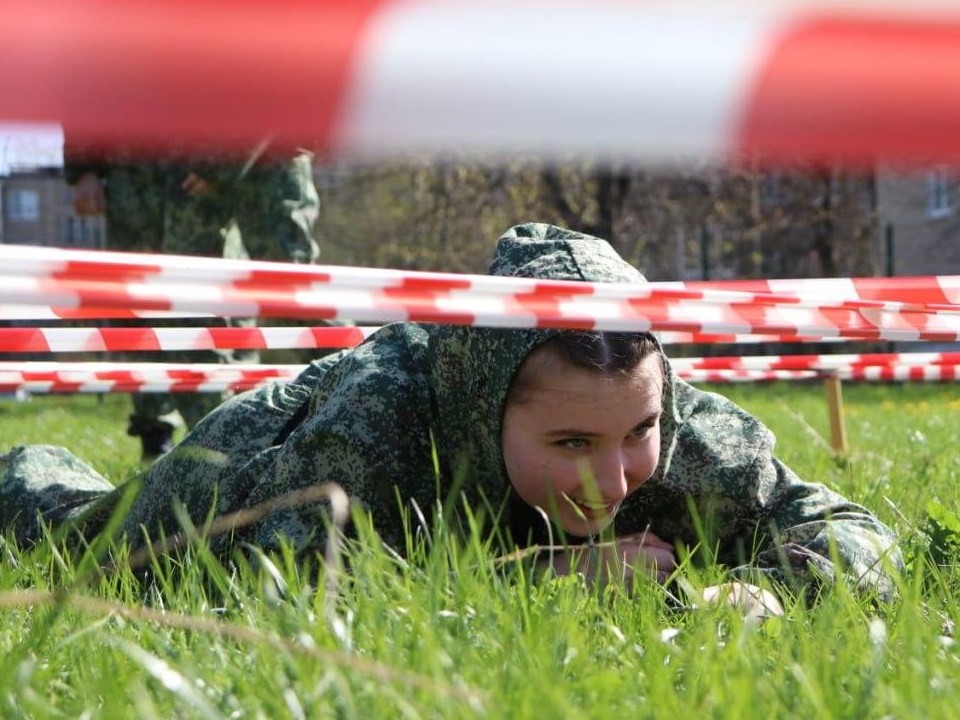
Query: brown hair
{"type": "Point", "coordinates": [609, 354]}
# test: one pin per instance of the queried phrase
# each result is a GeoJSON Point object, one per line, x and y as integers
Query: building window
{"type": "Point", "coordinates": [24, 205]}
{"type": "Point", "coordinates": [938, 193]}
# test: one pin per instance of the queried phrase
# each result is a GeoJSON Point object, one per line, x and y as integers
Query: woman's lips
{"type": "Point", "coordinates": [595, 509]}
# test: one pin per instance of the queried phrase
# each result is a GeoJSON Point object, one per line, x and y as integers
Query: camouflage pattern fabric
{"type": "Point", "coordinates": [264, 210]}
{"type": "Point", "coordinates": [378, 414]}
{"type": "Point", "coordinates": [45, 481]}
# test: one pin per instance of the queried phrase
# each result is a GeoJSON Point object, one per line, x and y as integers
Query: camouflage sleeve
{"type": "Point", "coordinates": [724, 488]}
{"type": "Point", "coordinates": [367, 431]}
{"type": "Point", "coordinates": [814, 534]}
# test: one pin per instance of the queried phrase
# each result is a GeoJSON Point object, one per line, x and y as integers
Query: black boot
{"type": "Point", "coordinates": [156, 442]}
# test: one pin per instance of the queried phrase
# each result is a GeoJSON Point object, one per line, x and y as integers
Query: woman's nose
{"type": "Point", "coordinates": [611, 471]}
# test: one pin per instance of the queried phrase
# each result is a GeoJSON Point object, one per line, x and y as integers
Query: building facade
{"type": "Point", "coordinates": [36, 208]}
{"type": "Point", "coordinates": [919, 217]}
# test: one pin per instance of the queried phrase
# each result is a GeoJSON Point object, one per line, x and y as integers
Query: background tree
{"type": "Point", "coordinates": [672, 224]}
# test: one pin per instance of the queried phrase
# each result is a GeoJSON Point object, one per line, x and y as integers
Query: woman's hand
{"type": "Point", "coordinates": [753, 601]}
{"type": "Point", "coordinates": [645, 552]}
{"type": "Point", "coordinates": [620, 559]}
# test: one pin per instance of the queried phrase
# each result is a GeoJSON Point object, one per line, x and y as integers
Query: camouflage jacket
{"type": "Point", "coordinates": [414, 414]}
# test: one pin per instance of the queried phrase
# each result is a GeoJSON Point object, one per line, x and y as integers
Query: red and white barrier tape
{"type": "Point", "coordinates": [931, 291]}
{"type": "Point", "coordinates": [24, 388]}
{"type": "Point", "coordinates": [28, 263]}
{"type": "Point", "coordinates": [818, 363]}
{"type": "Point", "coordinates": [647, 309]}
{"type": "Point", "coordinates": [122, 339]}
{"type": "Point", "coordinates": [641, 82]}
{"type": "Point", "coordinates": [893, 373]}
{"type": "Point", "coordinates": [108, 370]}
{"type": "Point", "coordinates": [17, 312]}
{"type": "Point", "coordinates": [92, 279]}
{"type": "Point", "coordinates": [700, 338]}
{"type": "Point", "coordinates": [126, 339]}
{"type": "Point", "coordinates": [42, 378]}
{"type": "Point", "coordinates": [125, 370]}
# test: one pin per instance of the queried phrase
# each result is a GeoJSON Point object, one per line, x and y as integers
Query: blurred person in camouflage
{"type": "Point", "coordinates": [263, 209]}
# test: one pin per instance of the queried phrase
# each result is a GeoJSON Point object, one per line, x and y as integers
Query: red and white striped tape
{"type": "Point", "coordinates": [171, 377]}
{"type": "Point", "coordinates": [46, 277]}
{"type": "Point", "coordinates": [52, 377]}
{"type": "Point", "coordinates": [641, 309]}
{"type": "Point", "coordinates": [818, 363]}
{"type": "Point", "coordinates": [642, 82]}
{"type": "Point", "coordinates": [929, 291]}
{"type": "Point", "coordinates": [126, 339]}
{"type": "Point", "coordinates": [123, 339]}
{"type": "Point", "coordinates": [742, 376]}
{"type": "Point", "coordinates": [893, 373]}
{"type": "Point", "coordinates": [13, 311]}
{"type": "Point", "coordinates": [14, 385]}
{"type": "Point", "coordinates": [700, 338]}
{"type": "Point", "coordinates": [36, 263]}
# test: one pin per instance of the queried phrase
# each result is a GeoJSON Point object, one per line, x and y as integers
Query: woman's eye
{"type": "Point", "coordinates": [641, 430]}
{"type": "Point", "coordinates": [572, 443]}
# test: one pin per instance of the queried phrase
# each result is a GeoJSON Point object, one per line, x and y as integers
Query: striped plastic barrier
{"type": "Point", "coordinates": [126, 339]}
{"type": "Point", "coordinates": [780, 82]}
{"type": "Point", "coordinates": [893, 373]}
{"type": "Point", "coordinates": [52, 377]}
{"type": "Point", "coordinates": [820, 363]}
{"type": "Point", "coordinates": [35, 265]}
{"type": "Point", "coordinates": [77, 279]}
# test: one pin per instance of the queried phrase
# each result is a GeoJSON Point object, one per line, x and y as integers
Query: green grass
{"type": "Point", "coordinates": [445, 634]}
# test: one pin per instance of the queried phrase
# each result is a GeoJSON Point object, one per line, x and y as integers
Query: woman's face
{"type": "Point", "coordinates": [577, 444]}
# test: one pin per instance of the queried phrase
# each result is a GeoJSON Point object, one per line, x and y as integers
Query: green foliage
{"type": "Point", "coordinates": [446, 633]}
{"type": "Point", "coordinates": [428, 215]}
{"type": "Point", "coordinates": [943, 530]}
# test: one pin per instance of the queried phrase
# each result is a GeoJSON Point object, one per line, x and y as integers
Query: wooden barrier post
{"type": "Point", "coordinates": [838, 431]}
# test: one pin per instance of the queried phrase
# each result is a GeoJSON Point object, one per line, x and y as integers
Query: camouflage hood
{"type": "Point", "coordinates": [471, 368]}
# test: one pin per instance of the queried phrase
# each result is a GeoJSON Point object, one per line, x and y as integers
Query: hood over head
{"type": "Point", "coordinates": [471, 368]}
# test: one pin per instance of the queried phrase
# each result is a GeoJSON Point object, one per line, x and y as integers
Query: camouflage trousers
{"type": "Point", "coordinates": [210, 470]}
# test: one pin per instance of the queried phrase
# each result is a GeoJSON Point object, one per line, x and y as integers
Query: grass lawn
{"type": "Point", "coordinates": [444, 633]}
